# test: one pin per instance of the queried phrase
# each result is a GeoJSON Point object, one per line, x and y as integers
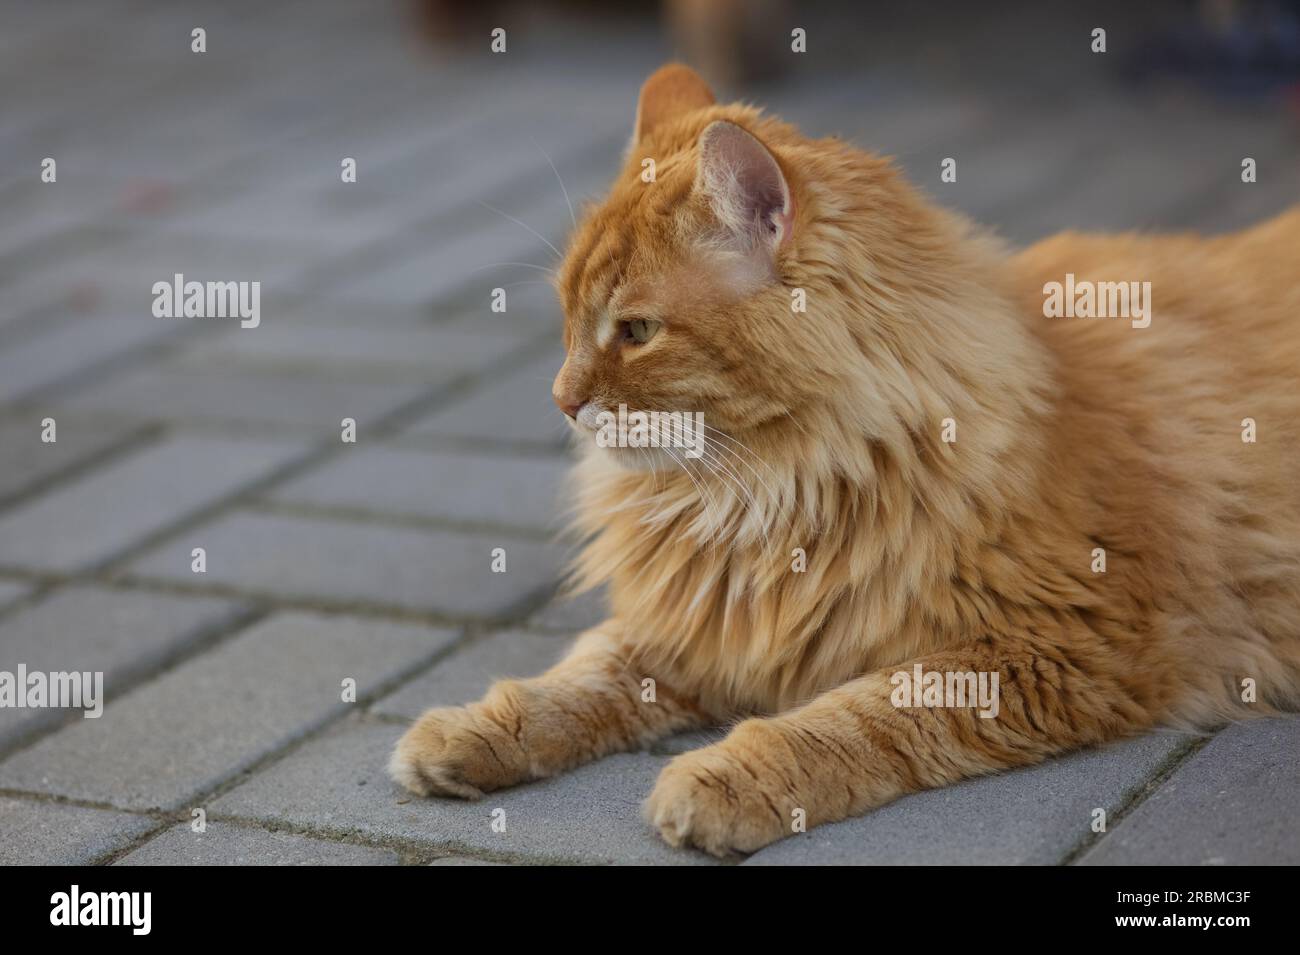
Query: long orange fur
{"type": "Point", "coordinates": [828, 439]}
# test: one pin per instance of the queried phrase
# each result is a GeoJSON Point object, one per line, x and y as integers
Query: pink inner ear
{"type": "Point", "coordinates": [747, 188]}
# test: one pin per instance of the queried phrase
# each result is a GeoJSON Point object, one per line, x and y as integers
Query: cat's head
{"type": "Point", "coordinates": [740, 270]}
{"type": "Point", "coordinates": [673, 288]}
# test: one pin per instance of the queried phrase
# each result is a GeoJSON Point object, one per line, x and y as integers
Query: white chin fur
{"type": "Point", "coordinates": [631, 459]}
{"type": "Point", "coordinates": [585, 428]}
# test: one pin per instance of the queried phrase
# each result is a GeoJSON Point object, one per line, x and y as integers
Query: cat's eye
{"type": "Point", "coordinates": [641, 330]}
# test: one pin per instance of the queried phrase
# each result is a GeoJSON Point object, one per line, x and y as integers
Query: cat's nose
{"type": "Point", "coordinates": [568, 402]}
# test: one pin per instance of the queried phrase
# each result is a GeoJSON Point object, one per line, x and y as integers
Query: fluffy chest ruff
{"type": "Point", "coordinates": [758, 586]}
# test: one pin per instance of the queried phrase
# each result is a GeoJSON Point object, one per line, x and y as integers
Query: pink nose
{"type": "Point", "coordinates": [568, 404]}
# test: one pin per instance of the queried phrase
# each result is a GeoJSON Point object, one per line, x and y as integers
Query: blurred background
{"type": "Point", "coordinates": [369, 558]}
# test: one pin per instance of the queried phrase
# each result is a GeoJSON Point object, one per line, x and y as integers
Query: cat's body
{"type": "Point", "coordinates": [921, 468]}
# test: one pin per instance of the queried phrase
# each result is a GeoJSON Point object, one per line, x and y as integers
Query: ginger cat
{"type": "Point", "coordinates": [1074, 506]}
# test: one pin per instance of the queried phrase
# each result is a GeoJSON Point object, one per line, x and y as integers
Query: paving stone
{"type": "Point", "coordinates": [310, 404]}
{"type": "Point", "coordinates": [28, 292]}
{"type": "Point", "coordinates": [224, 844]}
{"type": "Point", "coordinates": [302, 174]}
{"type": "Point", "coordinates": [515, 409]}
{"type": "Point", "coordinates": [289, 211]}
{"type": "Point", "coordinates": [39, 309]}
{"type": "Point", "coordinates": [573, 614]}
{"type": "Point", "coordinates": [532, 308]}
{"type": "Point", "coordinates": [49, 833]}
{"type": "Point", "coordinates": [28, 461]}
{"type": "Point", "coordinates": [430, 353]}
{"type": "Point", "coordinates": [302, 197]}
{"type": "Point", "coordinates": [1233, 803]}
{"type": "Point", "coordinates": [487, 158]}
{"type": "Point", "coordinates": [466, 675]}
{"type": "Point", "coordinates": [462, 860]}
{"type": "Point", "coordinates": [22, 304]}
{"type": "Point", "coordinates": [174, 738]}
{"type": "Point", "coordinates": [90, 519]}
{"type": "Point", "coordinates": [1238, 205]}
{"type": "Point", "coordinates": [119, 633]}
{"type": "Point", "coordinates": [188, 140]}
{"type": "Point", "coordinates": [999, 174]}
{"type": "Point", "coordinates": [68, 348]}
{"type": "Point", "coordinates": [501, 165]}
{"type": "Point", "coordinates": [1032, 816]}
{"type": "Point", "coordinates": [181, 135]}
{"type": "Point", "coordinates": [448, 267]}
{"type": "Point", "coordinates": [338, 784]}
{"type": "Point", "coordinates": [34, 212]}
{"type": "Point", "coordinates": [11, 590]}
{"type": "Point", "coordinates": [350, 562]}
{"type": "Point", "coordinates": [906, 125]}
{"type": "Point", "coordinates": [1114, 190]}
{"type": "Point", "coordinates": [136, 264]}
{"type": "Point", "coordinates": [517, 489]}
{"type": "Point", "coordinates": [325, 312]}
{"type": "Point", "coordinates": [470, 246]}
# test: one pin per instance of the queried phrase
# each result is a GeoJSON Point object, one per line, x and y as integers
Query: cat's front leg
{"type": "Point", "coordinates": [588, 705]}
{"type": "Point", "coordinates": [858, 747]}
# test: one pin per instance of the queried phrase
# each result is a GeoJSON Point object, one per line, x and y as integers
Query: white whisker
{"type": "Point", "coordinates": [521, 222]}
{"type": "Point", "coordinates": [529, 282]}
{"type": "Point", "coordinates": [650, 460]}
{"type": "Point", "coordinates": [705, 498]}
{"type": "Point", "coordinates": [560, 180]}
{"type": "Point", "coordinates": [522, 265]}
{"type": "Point", "coordinates": [755, 510]}
{"type": "Point", "coordinates": [751, 452]}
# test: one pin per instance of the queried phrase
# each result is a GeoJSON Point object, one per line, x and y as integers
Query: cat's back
{"type": "Point", "coordinates": [1203, 393]}
{"type": "Point", "coordinates": [1209, 319]}
{"type": "Point", "coordinates": [1248, 279]}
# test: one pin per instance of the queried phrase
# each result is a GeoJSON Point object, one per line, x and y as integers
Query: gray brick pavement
{"type": "Point", "coordinates": [94, 517]}
{"type": "Point", "coordinates": [66, 349]}
{"type": "Point", "coordinates": [310, 405]}
{"type": "Point", "coordinates": [516, 410]}
{"type": "Point", "coordinates": [49, 833]}
{"type": "Point", "coordinates": [341, 562]}
{"type": "Point", "coordinates": [467, 675]}
{"type": "Point", "coordinates": [120, 633]}
{"type": "Point", "coordinates": [570, 614]}
{"type": "Point", "coordinates": [10, 590]}
{"type": "Point", "coordinates": [338, 784]}
{"type": "Point", "coordinates": [170, 741]}
{"type": "Point", "coordinates": [432, 355]}
{"type": "Point", "coordinates": [29, 464]}
{"type": "Point", "coordinates": [506, 490]}
{"type": "Point", "coordinates": [224, 844]}
{"type": "Point", "coordinates": [1230, 804]}
{"type": "Point", "coordinates": [1034, 816]}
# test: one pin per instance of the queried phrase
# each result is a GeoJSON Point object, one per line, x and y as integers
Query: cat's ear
{"type": "Point", "coordinates": [745, 186]}
{"type": "Point", "coordinates": [669, 92]}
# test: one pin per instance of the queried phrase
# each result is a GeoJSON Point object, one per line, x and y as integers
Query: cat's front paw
{"type": "Point", "coordinates": [456, 751]}
{"type": "Point", "coordinates": [725, 798]}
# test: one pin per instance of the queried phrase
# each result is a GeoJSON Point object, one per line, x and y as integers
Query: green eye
{"type": "Point", "coordinates": [641, 330]}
